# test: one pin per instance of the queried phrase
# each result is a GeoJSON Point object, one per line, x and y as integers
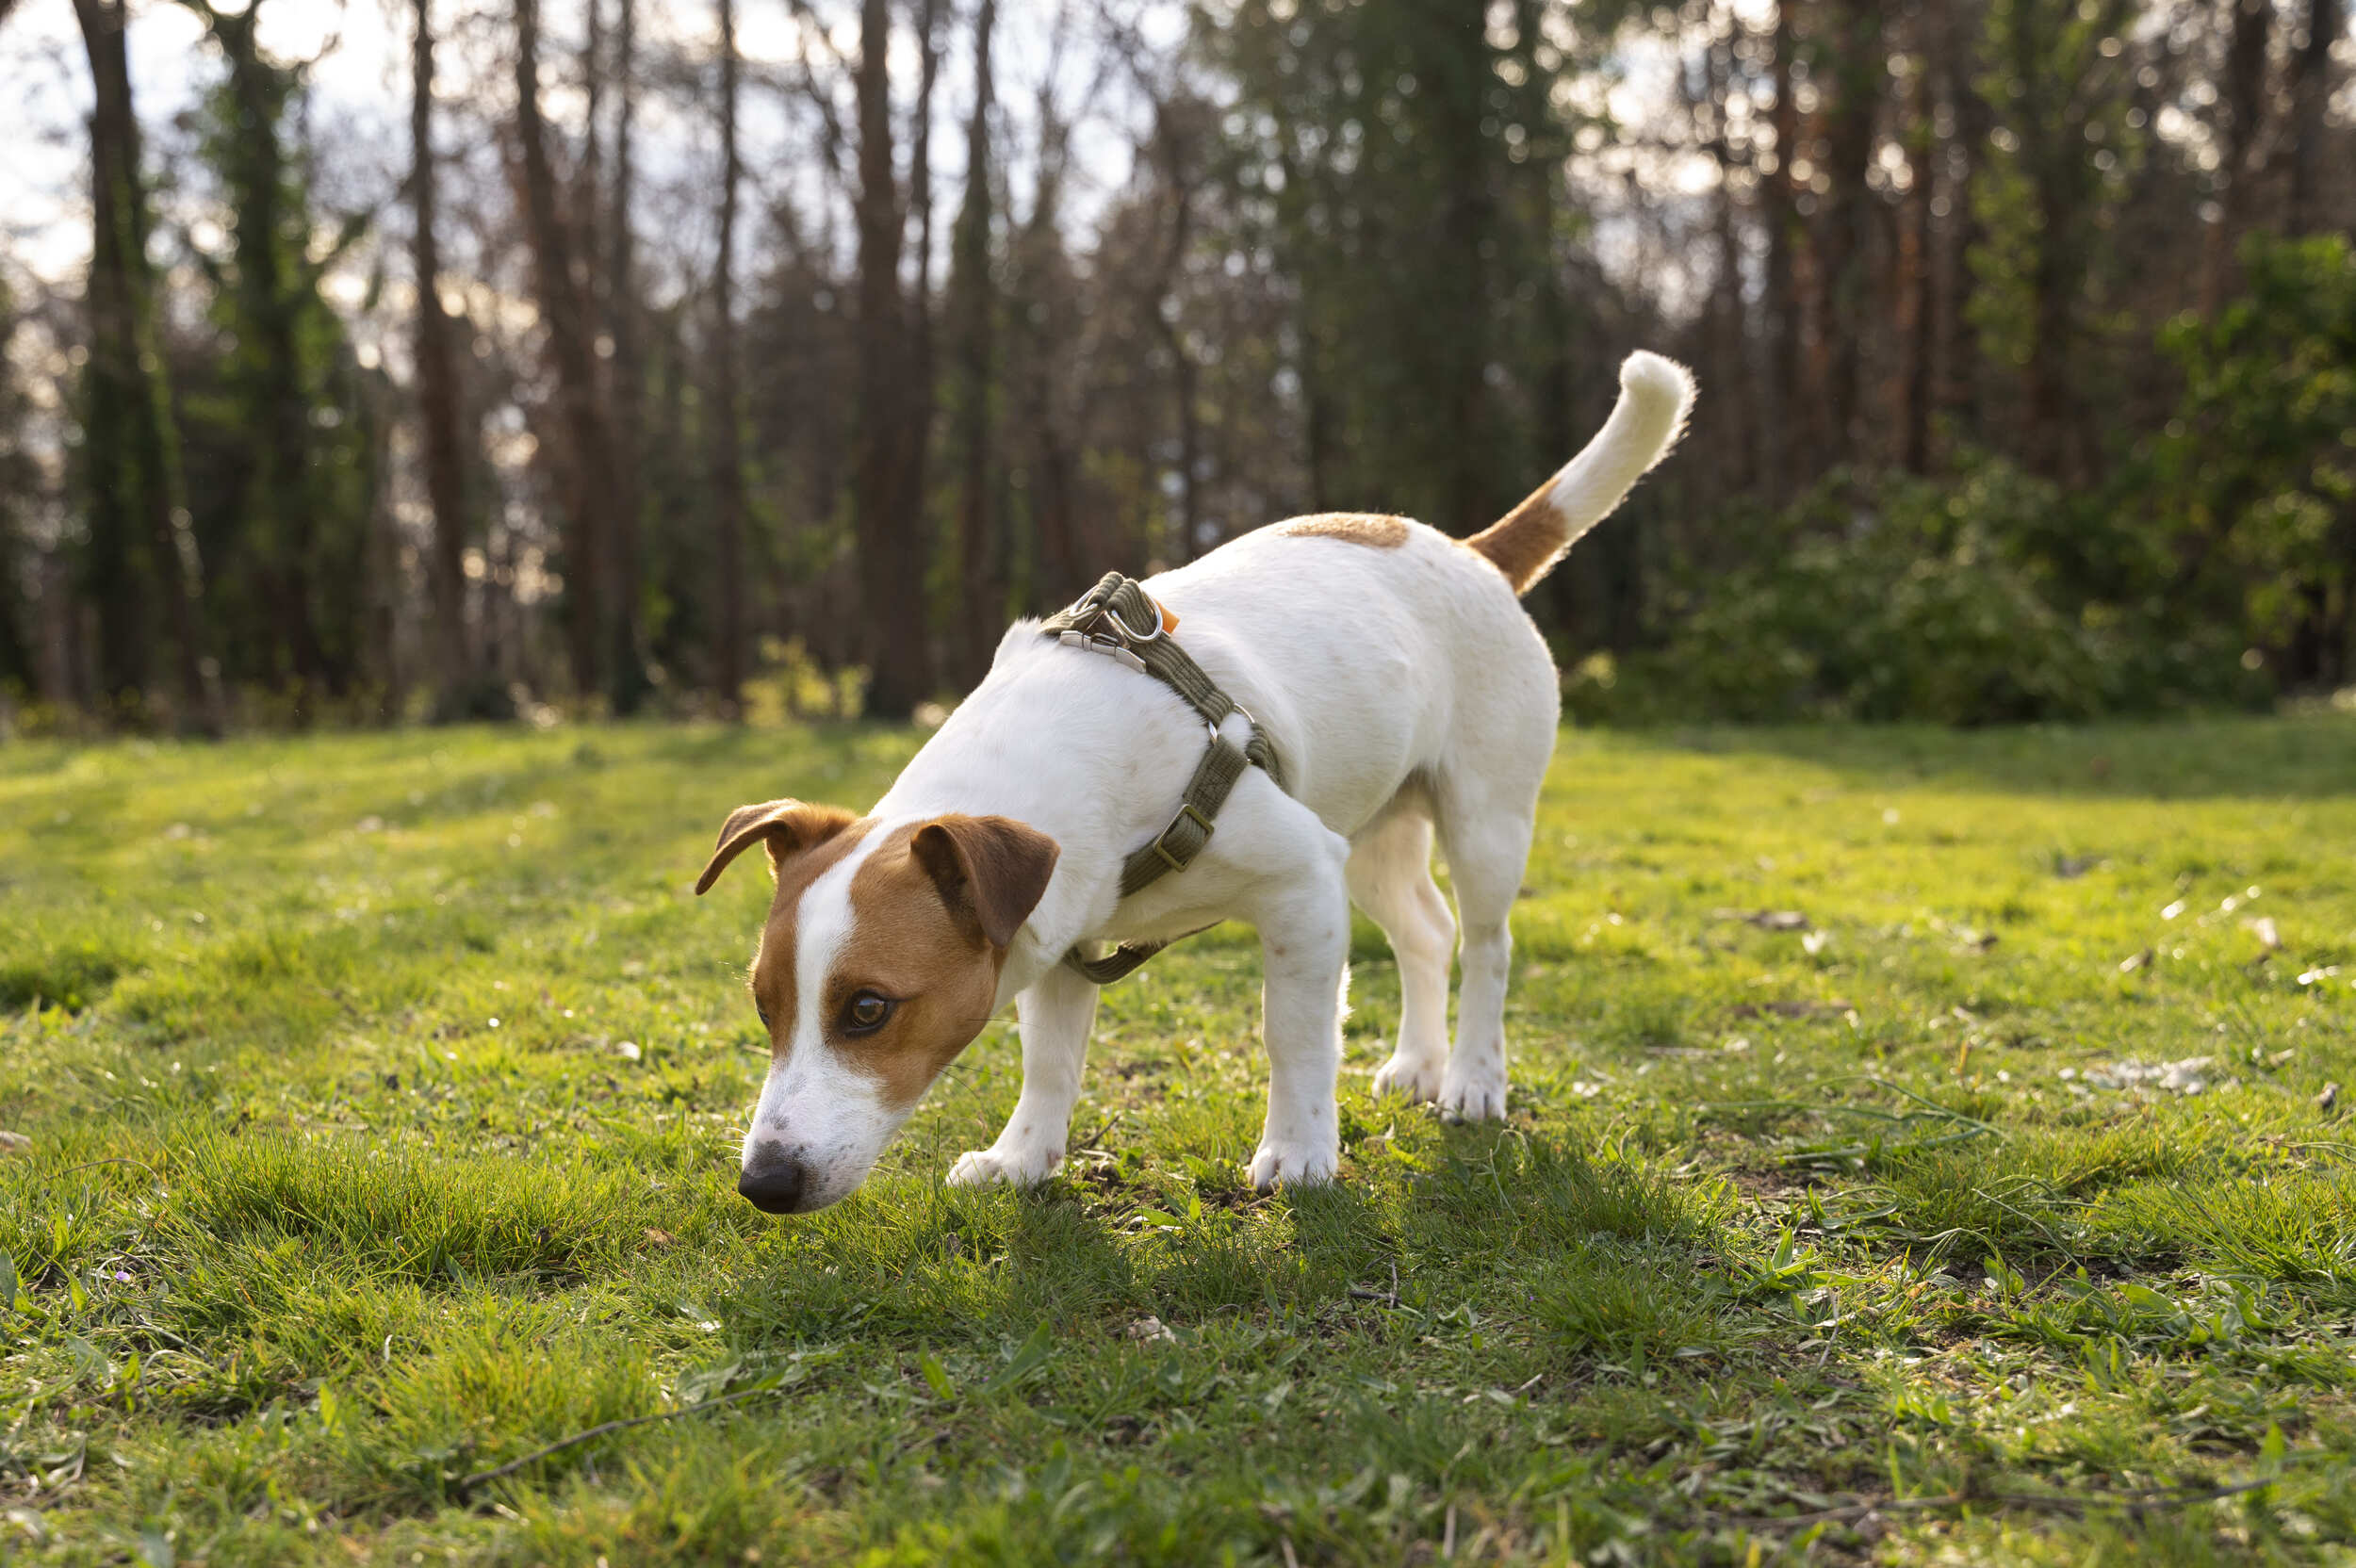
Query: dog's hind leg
{"type": "Point", "coordinates": [1484, 832]}
{"type": "Point", "coordinates": [1390, 878]}
{"type": "Point", "coordinates": [1055, 1014]}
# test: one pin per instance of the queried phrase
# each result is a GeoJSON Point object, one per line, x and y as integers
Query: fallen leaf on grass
{"type": "Point", "coordinates": [660, 1239]}
{"type": "Point", "coordinates": [2329, 1100]}
{"type": "Point", "coordinates": [2186, 1076]}
{"type": "Point", "coordinates": [1766, 920]}
{"type": "Point", "coordinates": [15, 1143]}
{"type": "Point", "coordinates": [1152, 1331]}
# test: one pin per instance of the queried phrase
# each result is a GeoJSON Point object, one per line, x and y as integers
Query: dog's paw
{"type": "Point", "coordinates": [1293, 1164]}
{"type": "Point", "coordinates": [990, 1168]}
{"type": "Point", "coordinates": [1416, 1078]}
{"type": "Point", "coordinates": [1473, 1097]}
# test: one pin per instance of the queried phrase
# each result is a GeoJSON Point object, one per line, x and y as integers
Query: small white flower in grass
{"type": "Point", "coordinates": [1815, 943]}
{"type": "Point", "coordinates": [1586, 1089]}
{"type": "Point", "coordinates": [630, 1050]}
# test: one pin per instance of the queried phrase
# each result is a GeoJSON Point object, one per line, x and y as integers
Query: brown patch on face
{"type": "Point", "coordinates": [941, 974]}
{"type": "Point", "coordinates": [774, 987]}
{"type": "Point", "coordinates": [932, 909]}
{"type": "Point", "coordinates": [1355, 527]}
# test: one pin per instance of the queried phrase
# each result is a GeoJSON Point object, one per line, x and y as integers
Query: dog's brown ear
{"type": "Point", "coordinates": [991, 870]}
{"type": "Point", "coordinates": [788, 826]}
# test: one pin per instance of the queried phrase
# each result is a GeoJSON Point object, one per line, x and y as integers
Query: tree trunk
{"type": "Point", "coordinates": [1173, 148]}
{"type": "Point", "coordinates": [1843, 224]}
{"type": "Point", "coordinates": [1955, 391]}
{"type": "Point", "coordinates": [1469, 211]}
{"type": "Point", "coordinates": [2311, 91]}
{"type": "Point", "coordinates": [1912, 266]}
{"type": "Point", "coordinates": [1728, 312]}
{"type": "Point", "coordinates": [727, 464]}
{"type": "Point", "coordinates": [891, 558]}
{"type": "Point", "coordinates": [566, 315]}
{"type": "Point", "coordinates": [280, 499]}
{"type": "Point", "coordinates": [2238, 165]}
{"type": "Point", "coordinates": [626, 666]}
{"type": "Point", "coordinates": [138, 494]}
{"type": "Point", "coordinates": [437, 393]}
{"type": "Point", "coordinates": [973, 313]}
{"type": "Point", "coordinates": [1779, 304]}
{"type": "Point", "coordinates": [923, 398]}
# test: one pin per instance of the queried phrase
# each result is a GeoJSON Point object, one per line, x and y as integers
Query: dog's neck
{"type": "Point", "coordinates": [1091, 753]}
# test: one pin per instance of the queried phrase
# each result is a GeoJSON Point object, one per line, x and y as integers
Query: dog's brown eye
{"type": "Point", "coordinates": [865, 1011]}
{"type": "Point", "coordinates": [765, 1014]}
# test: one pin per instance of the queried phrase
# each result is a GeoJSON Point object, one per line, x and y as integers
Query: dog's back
{"type": "Point", "coordinates": [1384, 654]}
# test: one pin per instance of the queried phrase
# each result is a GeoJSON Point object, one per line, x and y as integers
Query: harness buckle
{"type": "Point", "coordinates": [1161, 848]}
{"type": "Point", "coordinates": [1098, 643]}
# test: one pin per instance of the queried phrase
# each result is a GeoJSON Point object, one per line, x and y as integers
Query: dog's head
{"type": "Point", "coordinates": [879, 962]}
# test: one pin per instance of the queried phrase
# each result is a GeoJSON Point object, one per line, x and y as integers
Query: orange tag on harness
{"type": "Point", "coordinates": [1169, 621]}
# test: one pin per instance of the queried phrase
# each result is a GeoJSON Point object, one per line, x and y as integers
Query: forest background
{"type": "Point", "coordinates": [377, 362]}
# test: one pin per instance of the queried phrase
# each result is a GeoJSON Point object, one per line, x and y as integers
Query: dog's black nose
{"type": "Point", "coordinates": [773, 1183]}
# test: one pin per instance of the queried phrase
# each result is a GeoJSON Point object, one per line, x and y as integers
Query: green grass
{"type": "Point", "coordinates": [381, 1092]}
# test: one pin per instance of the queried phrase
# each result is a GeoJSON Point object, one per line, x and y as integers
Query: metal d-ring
{"type": "Point", "coordinates": [1127, 631]}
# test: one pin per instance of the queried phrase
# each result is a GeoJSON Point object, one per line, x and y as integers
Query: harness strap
{"type": "Point", "coordinates": [1119, 619]}
{"type": "Point", "coordinates": [1125, 961]}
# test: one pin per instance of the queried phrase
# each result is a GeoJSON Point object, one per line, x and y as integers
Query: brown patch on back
{"type": "Point", "coordinates": [774, 986]}
{"type": "Point", "coordinates": [907, 943]}
{"type": "Point", "coordinates": [1524, 542]}
{"type": "Point", "coordinates": [1355, 527]}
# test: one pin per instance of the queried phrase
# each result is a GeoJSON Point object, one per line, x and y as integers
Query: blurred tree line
{"type": "Point", "coordinates": [2026, 330]}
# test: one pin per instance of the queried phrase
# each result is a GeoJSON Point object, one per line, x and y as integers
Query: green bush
{"type": "Point", "coordinates": [1888, 596]}
{"type": "Point", "coordinates": [2213, 568]}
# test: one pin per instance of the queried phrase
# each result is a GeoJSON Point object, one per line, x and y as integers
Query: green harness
{"type": "Point", "coordinates": [1117, 618]}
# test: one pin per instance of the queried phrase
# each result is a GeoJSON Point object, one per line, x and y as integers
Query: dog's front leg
{"type": "Point", "coordinates": [1305, 943]}
{"type": "Point", "coordinates": [1054, 1015]}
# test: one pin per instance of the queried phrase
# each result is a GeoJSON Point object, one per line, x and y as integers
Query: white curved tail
{"type": "Point", "coordinates": [1656, 395]}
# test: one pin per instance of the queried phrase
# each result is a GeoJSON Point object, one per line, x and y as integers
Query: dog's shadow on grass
{"type": "Point", "coordinates": [1000, 1262]}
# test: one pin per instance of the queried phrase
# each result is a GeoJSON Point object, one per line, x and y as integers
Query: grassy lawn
{"type": "Point", "coordinates": [1920, 1151]}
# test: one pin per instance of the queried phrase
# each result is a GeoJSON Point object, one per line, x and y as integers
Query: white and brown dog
{"type": "Point", "coordinates": [1405, 690]}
